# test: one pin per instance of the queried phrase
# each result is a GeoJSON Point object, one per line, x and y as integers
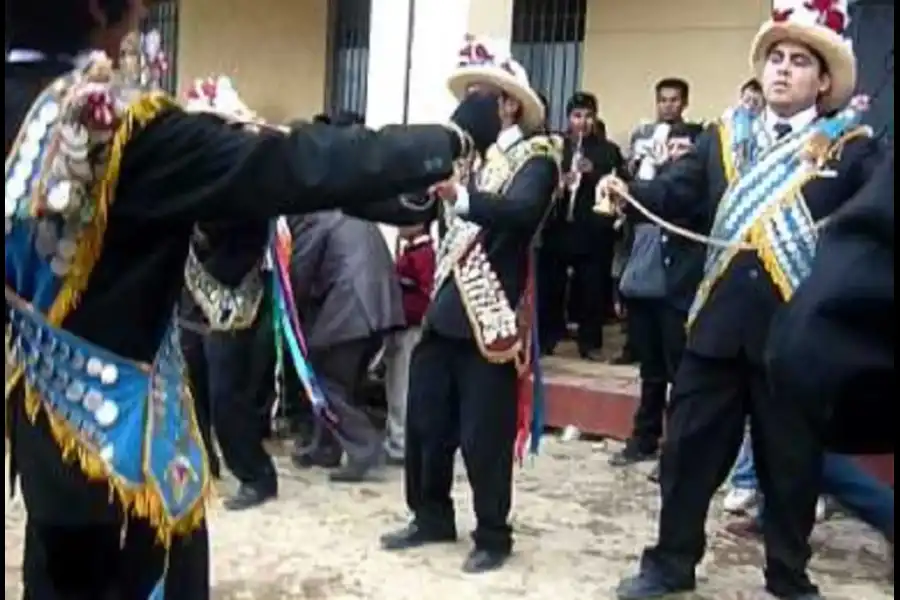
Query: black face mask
{"type": "Point", "coordinates": [478, 114]}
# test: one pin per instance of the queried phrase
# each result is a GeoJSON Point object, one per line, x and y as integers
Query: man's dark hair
{"type": "Point", "coordinates": [57, 27]}
{"type": "Point", "coordinates": [752, 85]}
{"type": "Point", "coordinates": [322, 118]}
{"type": "Point", "coordinates": [674, 83]}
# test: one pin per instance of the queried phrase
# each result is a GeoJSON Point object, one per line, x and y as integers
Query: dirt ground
{"type": "Point", "coordinates": [580, 525]}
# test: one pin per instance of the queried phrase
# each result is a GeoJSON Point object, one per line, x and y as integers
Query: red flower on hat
{"type": "Point", "coordinates": [474, 53]}
{"type": "Point", "coordinates": [98, 111]}
{"type": "Point", "coordinates": [829, 14]}
{"type": "Point", "coordinates": [782, 15]}
{"type": "Point", "coordinates": [208, 88]}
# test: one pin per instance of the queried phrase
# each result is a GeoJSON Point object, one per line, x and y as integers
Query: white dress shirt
{"type": "Point", "coordinates": [508, 138]}
{"type": "Point", "coordinates": [797, 122]}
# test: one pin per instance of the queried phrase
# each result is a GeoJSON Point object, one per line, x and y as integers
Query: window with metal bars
{"type": "Point", "coordinates": [349, 55]}
{"type": "Point", "coordinates": [163, 17]}
{"type": "Point", "coordinates": [872, 31]}
{"type": "Point", "coordinates": [548, 39]}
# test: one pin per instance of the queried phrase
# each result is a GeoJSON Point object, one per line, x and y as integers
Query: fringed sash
{"type": "Point", "coordinates": [764, 204]}
{"type": "Point", "coordinates": [130, 424]}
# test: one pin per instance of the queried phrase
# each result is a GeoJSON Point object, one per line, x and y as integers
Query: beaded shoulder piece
{"type": "Point", "coordinates": [495, 322]}
{"type": "Point", "coordinates": [224, 308]}
{"type": "Point", "coordinates": [129, 424]}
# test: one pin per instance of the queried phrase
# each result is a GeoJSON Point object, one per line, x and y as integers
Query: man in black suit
{"type": "Point", "coordinates": [167, 170]}
{"type": "Point", "coordinates": [464, 378]}
{"type": "Point", "coordinates": [659, 280]}
{"type": "Point", "coordinates": [348, 296]}
{"type": "Point", "coordinates": [577, 237]}
{"type": "Point", "coordinates": [798, 143]}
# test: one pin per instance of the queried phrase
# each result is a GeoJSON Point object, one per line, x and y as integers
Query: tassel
{"type": "Point", "coordinates": [530, 410]}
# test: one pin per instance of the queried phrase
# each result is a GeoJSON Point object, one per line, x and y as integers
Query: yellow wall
{"type": "Point", "coordinates": [630, 45]}
{"type": "Point", "coordinates": [491, 19]}
{"type": "Point", "coordinates": [274, 50]}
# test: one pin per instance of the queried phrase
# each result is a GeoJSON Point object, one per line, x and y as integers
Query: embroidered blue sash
{"type": "Point", "coordinates": [130, 424]}
{"type": "Point", "coordinates": [764, 205]}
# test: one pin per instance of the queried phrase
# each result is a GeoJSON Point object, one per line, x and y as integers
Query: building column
{"type": "Point", "coordinates": [438, 28]}
{"type": "Point", "coordinates": [492, 20]}
{"type": "Point", "coordinates": [388, 39]}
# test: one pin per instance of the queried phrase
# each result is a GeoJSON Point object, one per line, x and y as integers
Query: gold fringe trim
{"type": "Point", "coordinates": [141, 501]}
{"type": "Point", "coordinates": [728, 165]}
{"type": "Point", "coordinates": [769, 260]}
{"type": "Point", "coordinates": [90, 241]}
{"type": "Point", "coordinates": [837, 148]}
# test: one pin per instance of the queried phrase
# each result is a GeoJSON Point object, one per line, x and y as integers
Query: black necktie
{"type": "Point", "coordinates": [782, 129]}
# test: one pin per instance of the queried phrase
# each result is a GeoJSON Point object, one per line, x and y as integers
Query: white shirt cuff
{"type": "Point", "coordinates": [461, 206]}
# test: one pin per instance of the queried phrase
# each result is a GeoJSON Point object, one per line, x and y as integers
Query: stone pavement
{"type": "Point", "coordinates": [580, 525]}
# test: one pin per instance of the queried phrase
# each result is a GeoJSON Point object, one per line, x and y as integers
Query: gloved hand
{"type": "Point", "coordinates": [478, 114]}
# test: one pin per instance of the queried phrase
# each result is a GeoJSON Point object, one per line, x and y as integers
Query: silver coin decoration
{"type": "Point", "coordinates": [109, 375]}
{"type": "Point", "coordinates": [107, 414]}
{"type": "Point", "coordinates": [94, 366]}
{"type": "Point", "coordinates": [93, 400]}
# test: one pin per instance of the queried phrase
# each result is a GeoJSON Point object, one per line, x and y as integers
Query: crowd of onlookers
{"type": "Point", "coordinates": [362, 306]}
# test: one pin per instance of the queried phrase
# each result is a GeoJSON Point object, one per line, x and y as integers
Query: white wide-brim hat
{"type": "Point", "coordinates": [822, 30]}
{"type": "Point", "coordinates": [477, 65]}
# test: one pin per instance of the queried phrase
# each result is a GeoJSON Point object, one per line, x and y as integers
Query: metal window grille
{"type": "Point", "coordinates": [872, 32]}
{"type": "Point", "coordinates": [548, 39]}
{"type": "Point", "coordinates": [163, 17]}
{"type": "Point", "coordinates": [349, 55]}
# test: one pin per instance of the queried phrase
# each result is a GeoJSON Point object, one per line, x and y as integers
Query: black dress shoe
{"type": "Point", "coordinates": [357, 471]}
{"type": "Point", "coordinates": [250, 496]}
{"type": "Point", "coordinates": [327, 458]}
{"type": "Point", "coordinates": [413, 536]}
{"type": "Point", "coordinates": [394, 461]}
{"type": "Point", "coordinates": [645, 586]}
{"type": "Point", "coordinates": [632, 454]}
{"type": "Point", "coordinates": [482, 561]}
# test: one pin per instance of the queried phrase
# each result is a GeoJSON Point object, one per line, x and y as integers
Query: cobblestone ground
{"type": "Point", "coordinates": [579, 523]}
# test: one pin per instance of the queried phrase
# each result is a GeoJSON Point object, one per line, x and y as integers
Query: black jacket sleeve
{"type": "Point", "coordinates": [404, 209]}
{"type": "Point", "coordinates": [525, 202]}
{"type": "Point", "coordinates": [230, 250]}
{"type": "Point", "coordinates": [680, 191]}
{"type": "Point", "coordinates": [194, 168]}
{"type": "Point", "coordinates": [833, 343]}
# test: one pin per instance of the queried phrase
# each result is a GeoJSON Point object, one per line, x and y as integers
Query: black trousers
{"type": "Point", "coordinates": [93, 562]}
{"type": "Point", "coordinates": [657, 336]}
{"type": "Point", "coordinates": [710, 403]}
{"type": "Point", "coordinates": [589, 296]}
{"type": "Point", "coordinates": [457, 399]}
{"type": "Point", "coordinates": [192, 347]}
{"type": "Point", "coordinates": [240, 381]}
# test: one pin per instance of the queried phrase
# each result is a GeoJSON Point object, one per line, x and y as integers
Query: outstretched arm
{"type": "Point", "coordinates": [193, 167]}
{"type": "Point", "coordinates": [403, 209]}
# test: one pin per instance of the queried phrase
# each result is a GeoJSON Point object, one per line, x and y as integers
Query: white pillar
{"type": "Point", "coordinates": [388, 38]}
{"type": "Point", "coordinates": [438, 30]}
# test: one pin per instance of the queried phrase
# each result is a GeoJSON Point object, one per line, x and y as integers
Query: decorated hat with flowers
{"type": "Point", "coordinates": [820, 25]}
{"type": "Point", "coordinates": [480, 64]}
{"type": "Point", "coordinates": [217, 95]}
